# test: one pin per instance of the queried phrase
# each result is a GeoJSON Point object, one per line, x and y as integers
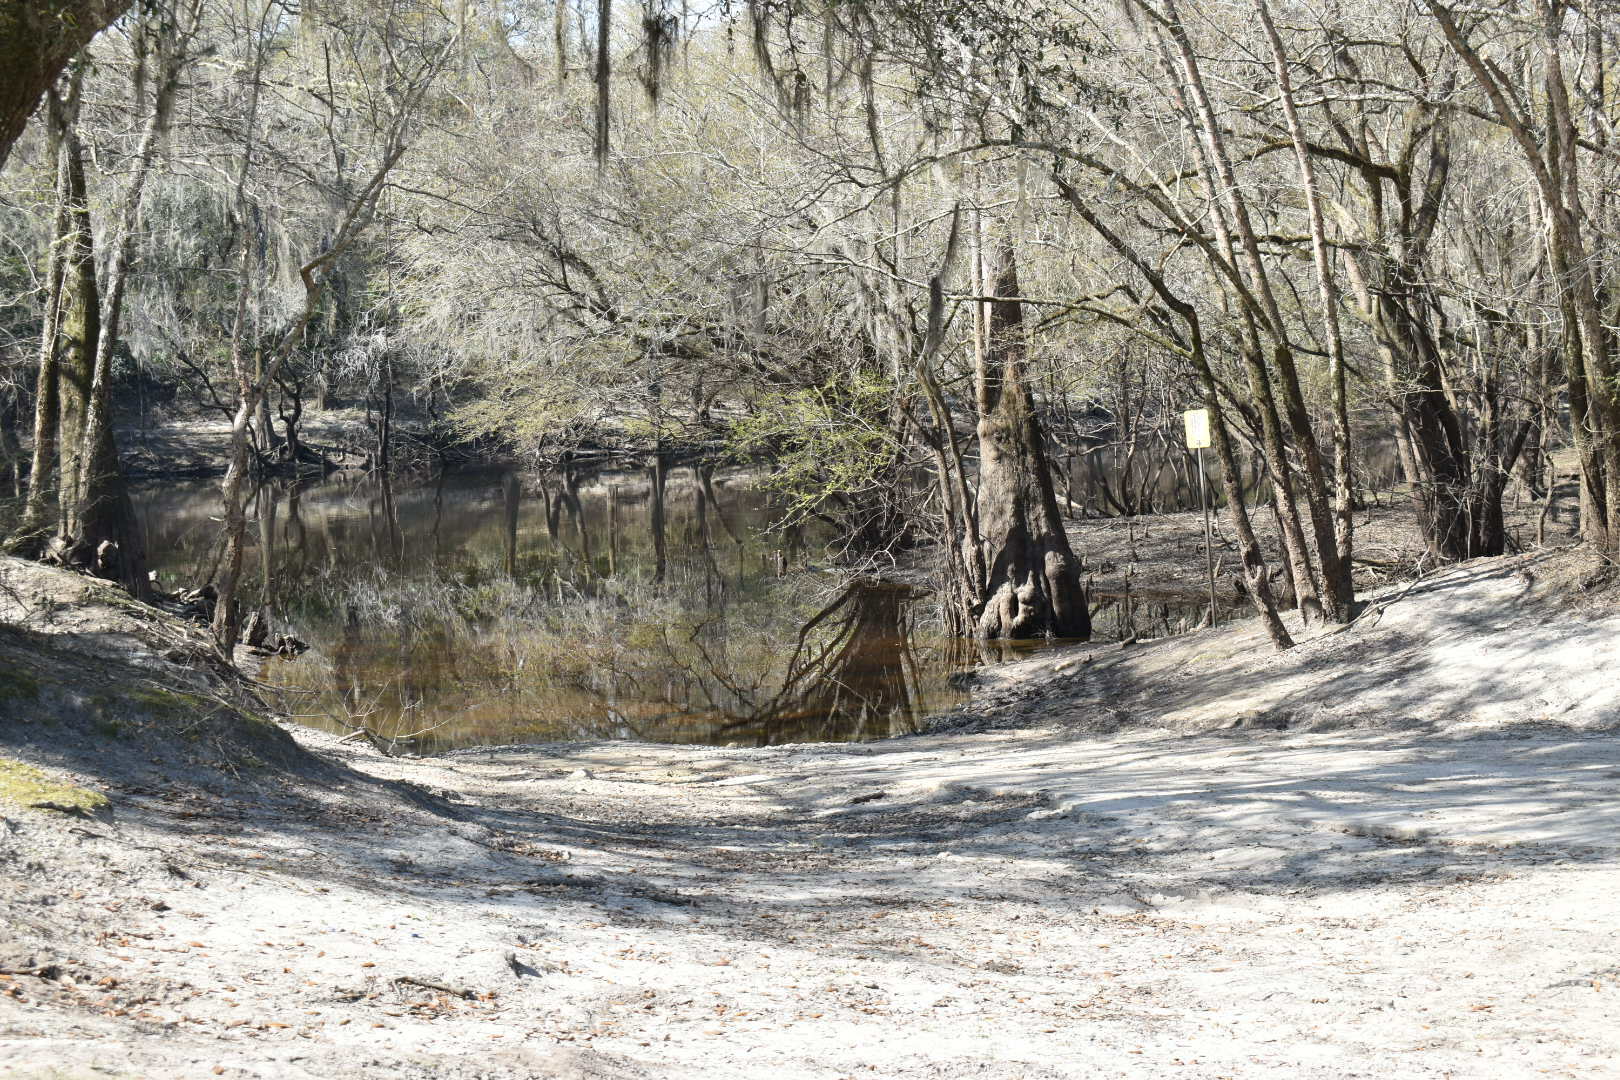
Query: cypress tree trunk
{"type": "Point", "coordinates": [1032, 579]}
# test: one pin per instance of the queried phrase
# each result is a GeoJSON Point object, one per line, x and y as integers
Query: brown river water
{"type": "Point", "coordinates": [495, 606]}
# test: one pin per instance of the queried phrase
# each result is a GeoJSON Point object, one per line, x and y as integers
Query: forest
{"type": "Point", "coordinates": [693, 469]}
{"type": "Point", "coordinates": [909, 254]}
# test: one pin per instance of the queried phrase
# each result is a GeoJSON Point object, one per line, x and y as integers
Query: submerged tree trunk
{"type": "Point", "coordinates": [1032, 584]}
{"type": "Point", "coordinates": [576, 509]}
{"type": "Point", "coordinates": [511, 503]}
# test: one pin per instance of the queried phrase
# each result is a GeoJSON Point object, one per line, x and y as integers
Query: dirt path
{"type": "Point", "coordinates": [1440, 897]}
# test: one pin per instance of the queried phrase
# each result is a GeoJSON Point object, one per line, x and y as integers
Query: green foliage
{"type": "Point", "coordinates": [827, 442]}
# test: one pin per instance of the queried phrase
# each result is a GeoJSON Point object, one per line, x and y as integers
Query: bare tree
{"type": "Point", "coordinates": [256, 366]}
{"type": "Point", "coordinates": [1551, 147]}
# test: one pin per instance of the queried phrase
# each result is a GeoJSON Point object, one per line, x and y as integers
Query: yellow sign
{"type": "Point", "coordinates": [1197, 421]}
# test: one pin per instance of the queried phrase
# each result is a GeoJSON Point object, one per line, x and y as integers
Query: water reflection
{"type": "Point", "coordinates": [493, 606]}
{"type": "Point", "coordinates": [854, 672]}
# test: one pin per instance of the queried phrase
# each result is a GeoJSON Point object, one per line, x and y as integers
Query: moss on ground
{"type": "Point", "coordinates": [15, 683]}
{"type": "Point", "coordinates": [25, 785]}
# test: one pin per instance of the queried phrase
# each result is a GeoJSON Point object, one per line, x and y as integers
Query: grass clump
{"type": "Point", "coordinates": [25, 785]}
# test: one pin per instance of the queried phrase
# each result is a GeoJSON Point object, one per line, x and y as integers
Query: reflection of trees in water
{"type": "Point", "coordinates": [528, 606]}
{"type": "Point", "coordinates": [1158, 475]}
{"type": "Point", "coordinates": [566, 500]}
{"type": "Point", "coordinates": [382, 518]}
{"type": "Point", "coordinates": [853, 674]}
{"type": "Point", "coordinates": [658, 474]}
{"type": "Point", "coordinates": [511, 501]}
{"type": "Point", "coordinates": [499, 661]}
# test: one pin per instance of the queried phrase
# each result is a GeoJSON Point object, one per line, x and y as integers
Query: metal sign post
{"type": "Point", "coordinates": [1196, 422]}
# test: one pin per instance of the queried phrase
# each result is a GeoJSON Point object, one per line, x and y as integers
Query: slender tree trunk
{"type": "Point", "coordinates": [604, 78]}
{"type": "Point", "coordinates": [385, 418]}
{"type": "Point", "coordinates": [1343, 490]}
{"type": "Point", "coordinates": [269, 442]}
{"type": "Point", "coordinates": [1583, 426]}
{"type": "Point", "coordinates": [226, 615]}
{"type": "Point", "coordinates": [267, 547]}
{"type": "Point", "coordinates": [80, 334]}
{"type": "Point", "coordinates": [964, 558]}
{"type": "Point", "coordinates": [559, 42]}
{"type": "Point", "coordinates": [38, 519]}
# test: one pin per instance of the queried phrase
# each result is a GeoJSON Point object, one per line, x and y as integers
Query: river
{"type": "Point", "coordinates": [495, 605]}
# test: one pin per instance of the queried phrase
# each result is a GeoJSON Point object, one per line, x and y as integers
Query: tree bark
{"type": "Point", "coordinates": [604, 78]}
{"type": "Point", "coordinates": [37, 39]}
{"type": "Point", "coordinates": [80, 333]}
{"type": "Point", "coordinates": [1032, 583]}
{"type": "Point", "coordinates": [37, 522]}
